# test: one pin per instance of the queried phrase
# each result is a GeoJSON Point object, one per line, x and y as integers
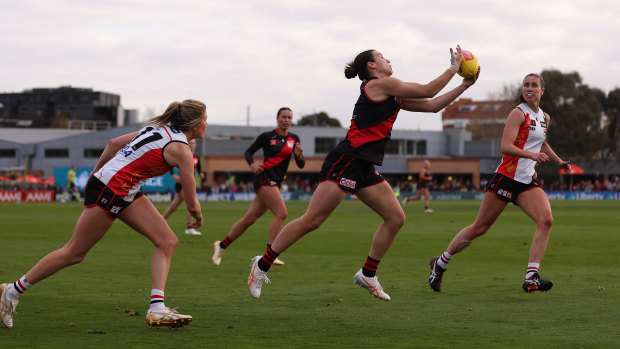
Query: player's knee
{"type": "Point", "coordinates": [478, 230]}
{"type": "Point", "coordinates": [281, 215]}
{"type": "Point", "coordinates": [398, 220]}
{"type": "Point", "coordinates": [312, 224]}
{"type": "Point", "coordinates": [546, 222]}
{"type": "Point", "coordinates": [72, 257]}
{"type": "Point", "coordinates": [169, 243]}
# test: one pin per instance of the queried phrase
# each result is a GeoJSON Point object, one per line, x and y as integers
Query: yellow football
{"type": "Point", "coordinates": [469, 64]}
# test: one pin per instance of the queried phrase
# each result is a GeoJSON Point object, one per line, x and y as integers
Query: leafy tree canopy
{"type": "Point", "coordinates": [321, 119]}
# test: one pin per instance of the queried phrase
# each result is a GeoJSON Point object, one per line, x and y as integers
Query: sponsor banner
{"type": "Point", "coordinates": [583, 195]}
{"type": "Point", "coordinates": [26, 195]}
{"type": "Point", "coordinates": [240, 196]}
{"type": "Point", "coordinates": [552, 195]}
{"type": "Point", "coordinates": [159, 184]}
{"type": "Point", "coordinates": [10, 196]}
{"type": "Point", "coordinates": [81, 176]}
{"type": "Point", "coordinates": [159, 197]}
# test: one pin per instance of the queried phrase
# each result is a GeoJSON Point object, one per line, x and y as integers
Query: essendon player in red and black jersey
{"type": "Point", "coordinates": [371, 126]}
{"type": "Point", "coordinates": [350, 166]}
{"type": "Point", "coordinates": [278, 147]}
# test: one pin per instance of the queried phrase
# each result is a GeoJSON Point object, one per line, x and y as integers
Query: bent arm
{"type": "Point", "coordinates": [298, 153]}
{"type": "Point", "coordinates": [546, 148]}
{"type": "Point", "coordinates": [511, 130]}
{"type": "Point", "coordinates": [179, 155]}
{"type": "Point", "coordinates": [113, 146]}
{"type": "Point", "coordinates": [249, 153]}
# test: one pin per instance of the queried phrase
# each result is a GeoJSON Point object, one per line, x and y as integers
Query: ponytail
{"type": "Point", "coordinates": [182, 116]}
{"type": "Point", "coordinates": [358, 67]}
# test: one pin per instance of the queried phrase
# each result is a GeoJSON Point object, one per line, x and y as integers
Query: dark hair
{"type": "Point", "coordinates": [281, 109]}
{"type": "Point", "coordinates": [519, 98]}
{"type": "Point", "coordinates": [182, 116]}
{"type": "Point", "coordinates": [359, 65]}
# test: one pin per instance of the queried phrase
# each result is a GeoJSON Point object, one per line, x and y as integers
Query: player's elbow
{"type": "Point", "coordinates": [116, 143]}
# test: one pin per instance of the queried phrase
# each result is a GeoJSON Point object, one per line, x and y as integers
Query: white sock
{"type": "Point", "coordinates": [531, 269]}
{"type": "Point", "coordinates": [20, 286]}
{"type": "Point", "coordinates": [157, 300]}
{"type": "Point", "coordinates": [444, 259]}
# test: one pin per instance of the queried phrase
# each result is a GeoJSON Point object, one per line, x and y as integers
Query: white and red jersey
{"type": "Point", "coordinates": [531, 136]}
{"type": "Point", "coordinates": [141, 159]}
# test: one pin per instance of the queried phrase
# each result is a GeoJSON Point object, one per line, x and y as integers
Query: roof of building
{"type": "Point", "coordinates": [37, 135]}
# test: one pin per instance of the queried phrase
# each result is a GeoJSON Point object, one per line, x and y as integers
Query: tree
{"type": "Point", "coordinates": [508, 93]}
{"type": "Point", "coordinates": [320, 119]}
{"type": "Point", "coordinates": [611, 146]}
{"type": "Point", "coordinates": [576, 110]}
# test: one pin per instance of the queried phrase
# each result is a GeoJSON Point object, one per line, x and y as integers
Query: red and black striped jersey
{"type": "Point", "coordinates": [277, 150]}
{"type": "Point", "coordinates": [371, 127]}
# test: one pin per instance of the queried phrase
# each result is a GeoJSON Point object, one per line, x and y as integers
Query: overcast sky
{"type": "Point", "coordinates": [271, 53]}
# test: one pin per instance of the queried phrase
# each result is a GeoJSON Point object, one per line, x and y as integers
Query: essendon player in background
{"type": "Point", "coordinates": [278, 146]}
{"type": "Point", "coordinates": [349, 167]}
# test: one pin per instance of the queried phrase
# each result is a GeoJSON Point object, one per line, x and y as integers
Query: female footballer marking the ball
{"type": "Point", "coordinates": [278, 146]}
{"type": "Point", "coordinates": [349, 167]}
{"type": "Point", "coordinates": [113, 190]}
{"type": "Point", "coordinates": [524, 145]}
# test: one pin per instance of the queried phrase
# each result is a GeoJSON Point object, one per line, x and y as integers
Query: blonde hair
{"type": "Point", "coordinates": [182, 116]}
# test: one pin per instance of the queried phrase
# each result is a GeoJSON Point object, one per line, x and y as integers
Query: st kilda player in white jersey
{"type": "Point", "coordinates": [139, 160]}
{"type": "Point", "coordinates": [531, 136]}
{"type": "Point", "coordinates": [113, 190]}
{"type": "Point", "coordinates": [523, 146]}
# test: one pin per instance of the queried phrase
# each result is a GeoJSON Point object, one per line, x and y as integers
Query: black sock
{"type": "Point", "coordinates": [267, 260]}
{"type": "Point", "coordinates": [370, 268]}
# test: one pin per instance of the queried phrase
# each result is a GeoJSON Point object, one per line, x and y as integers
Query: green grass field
{"type": "Point", "coordinates": [312, 301]}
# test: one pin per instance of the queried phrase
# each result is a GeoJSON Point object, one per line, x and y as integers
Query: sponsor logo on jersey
{"type": "Point", "coordinates": [127, 151]}
{"type": "Point", "coordinates": [115, 209]}
{"type": "Point", "coordinates": [273, 142]}
{"type": "Point", "coordinates": [347, 183]}
{"type": "Point", "coordinates": [290, 144]}
{"type": "Point", "coordinates": [505, 193]}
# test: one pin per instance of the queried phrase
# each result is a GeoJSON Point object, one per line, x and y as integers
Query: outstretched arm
{"type": "Point", "coordinates": [436, 104]}
{"type": "Point", "coordinates": [383, 88]}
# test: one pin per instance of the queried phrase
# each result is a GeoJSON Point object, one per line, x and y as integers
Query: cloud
{"type": "Point", "coordinates": [273, 53]}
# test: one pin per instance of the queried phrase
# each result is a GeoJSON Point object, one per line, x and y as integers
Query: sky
{"type": "Point", "coordinates": [247, 58]}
